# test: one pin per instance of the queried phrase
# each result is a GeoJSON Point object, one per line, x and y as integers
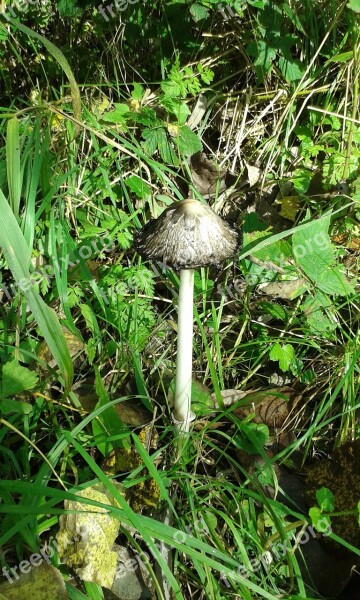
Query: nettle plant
{"type": "Point", "coordinates": [305, 268]}
{"type": "Point", "coordinates": [336, 162]}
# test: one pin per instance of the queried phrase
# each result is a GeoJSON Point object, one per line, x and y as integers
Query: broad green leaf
{"type": "Point", "coordinates": [170, 88]}
{"type": "Point", "coordinates": [8, 406]}
{"type": "Point", "coordinates": [68, 8]}
{"type": "Point", "coordinates": [138, 186]}
{"type": "Point", "coordinates": [118, 115]}
{"type": "Point", "coordinates": [151, 137]}
{"type": "Point", "coordinates": [17, 254]}
{"type": "Point", "coordinates": [301, 179]}
{"type": "Point", "coordinates": [275, 310]}
{"type": "Point", "coordinates": [282, 353]}
{"type": "Point", "coordinates": [166, 150]}
{"type": "Point", "coordinates": [201, 400]}
{"type": "Point", "coordinates": [320, 521]}
{"type": "Point", "coordinates": [199, 12]}
{"type": "Point", "coordinates": [318, 313]}
{"type": "Point", "coordinates": [187, 141]}
{"type": "Point", "coordinates": [325, 499]}
{"type": "Point", "coordinates": [138, 91]}
{"type": "Point", "coordinates": [354, 5]}
{"type": "Point", "coordinates": [4, 34]}
{"type": "Point", "coordinates": [334, 282]}
{"type": "Point", "coordinates": [277, 252]}
{"type": "Point", "coordinates": [177, 108]}
{"type": "Point", "coordinates": [13, 165]}
{"type": "Point", "coordinates": [16, 379]}
{"type": "Point", "coordinates": [292, 70]}
{"type": "Point", "coordinates": [254, 438]}
{"type": "Point", "coordinates": [312, 248]}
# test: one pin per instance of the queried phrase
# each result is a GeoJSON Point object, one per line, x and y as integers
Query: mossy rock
{"type": "Point", "coordinates": [341, 474]}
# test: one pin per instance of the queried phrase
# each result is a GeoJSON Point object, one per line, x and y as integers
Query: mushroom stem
{"type": "Point", "coordinates": [182, 403]}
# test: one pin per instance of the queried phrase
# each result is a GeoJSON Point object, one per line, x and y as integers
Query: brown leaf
{"type": "Point", "coordinates": [273, 407]}
{"type": "Point", "coordinates": [253, 174]}
{"type": "Point", "coordinates": [206, 177]}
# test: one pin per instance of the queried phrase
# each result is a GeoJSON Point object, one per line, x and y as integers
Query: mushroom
{"type": "Point", "coordinates": [186, 236]}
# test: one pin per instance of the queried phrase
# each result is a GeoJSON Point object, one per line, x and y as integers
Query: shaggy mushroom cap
{"type": "Point", "coordinates": [187, 235]}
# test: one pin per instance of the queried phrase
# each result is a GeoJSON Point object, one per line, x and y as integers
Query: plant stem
{"type": "Point", "coordinates": [182, 402]}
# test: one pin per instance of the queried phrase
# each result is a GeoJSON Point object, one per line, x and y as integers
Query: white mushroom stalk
{"type": "Point", "coordinates": [182, 401]}
{"type": "Point", "coordinates": [186, 236]}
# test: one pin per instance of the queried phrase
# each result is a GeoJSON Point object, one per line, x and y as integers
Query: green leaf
{"type": "Point", "coordinates": [199, 12]}
{"type": "Point", "coordinates": [275, 310]}
{"type": "Point", "coordinates": [292, 70]}
{"type": "Point", "coordinates": [68, 8]}
{"type": "Point", "coordinates": [312, 248]}
{"type": "Point", "coordinates": [318, 313]}
{"type": "Point", "coordinates": [354, 5]}
{"type": "Point", "coordinates": [254, 438]}
{"type": "Point", "coordinates": [118, 115]}
{"type": "Point", "coordinates": [146, 116]}
{"type": "Point", "coordinates": [138, 91]}
{"type": "Point", "coordinates": [138, 186]}
{"type": "Point", "coordinates": [9, 406]}
{"type": "Point", "coordinates": [151, 141]}
{"type": "Point", "coordinates": [187, 141]}
{"type": "Point", "coordinates": [177, 108]}
{"type": "Point", "coordinates": [301, 180]}
{"type": "Point", "coordinates": [342, 57]}
{"type": "Point", "coordinates": [320, 521]}
{"type": "Point", "coordinates": [16, 379]}
{"type": "Point", "coordinates": [334, 282]}
{"type": "Point", "coordinates": [284, 354]}
{"type": "Point", "coordinates": [325, 499]}
{"type": "Point", "coordinates": [264, 56]}
{"type": "Point", "coordinates": [171, 88]}
{"type": "Point", "coordinates": [4, 34]}
{"type": "Point", "coordinates": [167, 152]}
{"type": "Point", "coordinates": [17, 255]}
{"type": "Point", "coordinates": [206, 74]}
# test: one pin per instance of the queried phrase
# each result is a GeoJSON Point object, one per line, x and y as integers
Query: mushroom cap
{"type": "Point", "coordinates": [187, 235]}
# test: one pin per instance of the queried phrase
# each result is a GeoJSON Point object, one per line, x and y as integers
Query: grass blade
{"type": "Point", "coordinates": [17, 254]}
{"type": "Point", "coordinates": [13, 165]}
{"type": "Point", "coordinates": [60, 58]}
